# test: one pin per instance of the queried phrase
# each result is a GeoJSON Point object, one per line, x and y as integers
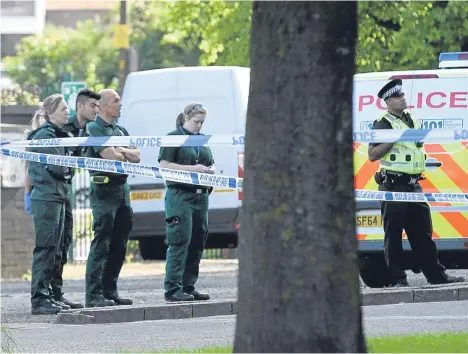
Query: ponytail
{"type": "Point", "coordinates": [37, 120]}
{"type": "Point", "coordinates": [180, 120]}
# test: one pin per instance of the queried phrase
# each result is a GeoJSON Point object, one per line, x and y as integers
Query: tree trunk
{"type": "Point", "coordinates": [298, 276]}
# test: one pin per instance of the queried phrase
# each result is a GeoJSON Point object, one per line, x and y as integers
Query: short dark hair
{"type": "Point", "coordinates": [86, 94]}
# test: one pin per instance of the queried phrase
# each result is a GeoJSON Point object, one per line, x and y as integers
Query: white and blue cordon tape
{"type": "Point", "coordinates": [365, 136]}
{"type": "Point", "coordinates": [208, 180]}
{"type": "Point", "coordinates": [104, 165]}
{"type": "Point", "coordinates": [412, 197]}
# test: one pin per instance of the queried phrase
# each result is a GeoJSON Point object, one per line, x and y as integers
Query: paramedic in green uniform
{"type": "Point", "coordinates": [87, 106]}
{"type": "Point", "coordinates": [186, 209]}
{"type": "Point", "coordinates": [112, 213]}
{"type": "Point", "coordinates": [48, 197]}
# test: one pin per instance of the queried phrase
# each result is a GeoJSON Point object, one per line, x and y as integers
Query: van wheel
{"type": "Point", "coordinates": [152, 248]}
{"type": "Point", "coordinates": [374, 271]}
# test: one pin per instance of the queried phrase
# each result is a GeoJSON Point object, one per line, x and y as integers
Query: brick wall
{"type": "Point", "coordinates": [17, 229]}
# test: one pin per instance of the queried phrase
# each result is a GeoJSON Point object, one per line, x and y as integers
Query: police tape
{"type": "Point", "coordinates": [366, 136]}
{"type": "Point", "coordinates": [203, 179]}
{"type": "Point", "coordinates": [209, 180]}
{"type": "Point", "coordinates": [137, 141]}
{"type": "Point", "coordinates": [411, 197]}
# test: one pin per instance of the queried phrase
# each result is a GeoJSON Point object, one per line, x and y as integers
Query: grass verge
{"type": "Point", "coordinates": [427, 343]}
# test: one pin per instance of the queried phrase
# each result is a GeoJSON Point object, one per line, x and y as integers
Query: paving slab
{"type": "Point", "coordinates": [212, 309]}
{"type": "Point", "coordinates": [146, 313]}
{"type": "Point", "coordinates": [370, 297]}
{"type": "Point", "coordinates": [433, 295]}
{"type": "Point", "coordinates": [387, 297]}
{"type": "Point", "coordinates": [463, 293]}
{"type": "Point", "coordinates": [74, 319]}
{"type": "Point", "coordinates": [168, 312]}
{"type": "Point", "coordinates": [116, 314]}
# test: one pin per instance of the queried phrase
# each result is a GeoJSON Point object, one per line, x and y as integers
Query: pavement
{"type": "Point", "coordinates": [143, 283]}
{"type": "Point", "coordinates": [218, 278]}
{"type": "Point", "coordinates": [217, 331]}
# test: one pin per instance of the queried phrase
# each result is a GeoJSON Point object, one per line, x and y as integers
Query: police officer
{"type": "Point", "coordinates": [48, 196]}
{"type": "Point", "coordinates": [112, 213]}
{"type": "Point", "coordinates": [186, 209]}
{"type": "Point", "coordinates": [87, 106]}
{"type": "Point", "coordinates": [401, 168]}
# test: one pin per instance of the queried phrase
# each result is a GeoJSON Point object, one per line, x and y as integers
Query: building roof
{"type": "Point", "coordinates": [70, 5]}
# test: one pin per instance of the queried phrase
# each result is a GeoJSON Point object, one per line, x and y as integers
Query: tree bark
{"type": "Point", "coordinates": [298, 276]}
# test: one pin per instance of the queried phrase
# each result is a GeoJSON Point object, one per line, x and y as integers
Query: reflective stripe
{"type": "Point", "coordinates": [449, 221]}
{"type": "Point", "coordinates": [404, 157]}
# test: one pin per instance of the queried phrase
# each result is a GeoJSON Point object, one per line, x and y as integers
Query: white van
{"type": "Point", "coordinates": [151, 102]}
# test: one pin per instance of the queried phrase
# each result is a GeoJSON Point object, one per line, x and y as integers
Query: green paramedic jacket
{"type": "Point", "coordinates": [50, 181]}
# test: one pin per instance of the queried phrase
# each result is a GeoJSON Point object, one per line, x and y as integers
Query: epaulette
{"type": "Point", "coordinates": [32, 133]}
{"type": "Point", "coordinates": [122, 129]}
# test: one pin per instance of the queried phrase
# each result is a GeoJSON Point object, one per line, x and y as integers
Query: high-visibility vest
{"type": "Point", "coordinates": [405, 156]}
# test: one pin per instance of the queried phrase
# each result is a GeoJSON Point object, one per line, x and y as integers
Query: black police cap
{"type": "Point", "coordinates": [390, 89]}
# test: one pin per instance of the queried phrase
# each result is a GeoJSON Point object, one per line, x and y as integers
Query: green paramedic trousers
{"type": "Point", "coordinates": [112, 222]}
{"type": "Point", "coordinates": [186, 234]}
{"type": "Point", "coordinates": [61, 258]}
{"type": "Point", "coordinates": [48, 219]}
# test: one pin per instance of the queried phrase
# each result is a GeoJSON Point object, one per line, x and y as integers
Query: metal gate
{"type": "Point", "coordinates": [83, 223]}
{"type": "Point", "coordinates": [82, 216]}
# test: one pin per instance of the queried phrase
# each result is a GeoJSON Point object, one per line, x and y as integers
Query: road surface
{"type": "Point", "coordinates": [218, 331]}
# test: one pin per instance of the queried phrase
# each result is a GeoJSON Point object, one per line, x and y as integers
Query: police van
{"type": "Point", "coordinates": [439, 98]}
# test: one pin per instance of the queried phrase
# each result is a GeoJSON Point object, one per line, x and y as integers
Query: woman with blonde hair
{"type": "Point", "coordinates": [48, 197]}
{"type": "Point", "coordinates": [186, 209]}
{"type": "Point", "coordinates": [34, 124]}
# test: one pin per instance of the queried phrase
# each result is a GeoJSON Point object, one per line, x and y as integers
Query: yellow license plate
{"type": "Point", "coordinates": [146, 195]}
{"type": "Point", "coordinates": [369, 221]}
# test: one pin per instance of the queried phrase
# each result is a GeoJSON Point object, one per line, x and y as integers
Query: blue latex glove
{"type": "Point", "coordinates": [27, 203]}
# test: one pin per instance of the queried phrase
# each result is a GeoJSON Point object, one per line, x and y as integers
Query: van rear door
{"type": "Point", "coordinates": [440, 101]}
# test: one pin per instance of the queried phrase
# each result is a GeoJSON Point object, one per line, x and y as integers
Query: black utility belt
{"type": "Point", "coordinates": [400, 178]}
{"type": "Point", "coordinates": [112, 181]}
{"type": "Point", "coordinates": [191, 189]}
{"type": "Point", "coordinates": [66, 177]}
{"type": "Point", "coordinates": [401, 174]}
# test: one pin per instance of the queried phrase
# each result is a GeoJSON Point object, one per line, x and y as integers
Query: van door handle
{"type": "Point", "coordinates": [432, 163]}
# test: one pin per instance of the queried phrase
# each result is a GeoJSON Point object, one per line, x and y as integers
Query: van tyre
{"type": "Point", "coordinates": [152, 248]}
{"type": "Point", "coordinates": [374, 271]}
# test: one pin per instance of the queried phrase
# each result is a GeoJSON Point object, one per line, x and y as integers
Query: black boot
{"type": "Point", "coordinates": [99, 301]}
{"type": "Point", "coordinates": [60, 304]}
{"type": "Point", "coordinates": [46, 308]}
{"type": "Point", "coordinates": [446, 279]}
{"type": "Point", "coordinates": [73, 305]}
{"type": "Point", "coordinates": [179, 295]}
{"type": "Point", "coordinates": [199, 296]}
{"type": "Point", "coordinates": [119, 300]}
